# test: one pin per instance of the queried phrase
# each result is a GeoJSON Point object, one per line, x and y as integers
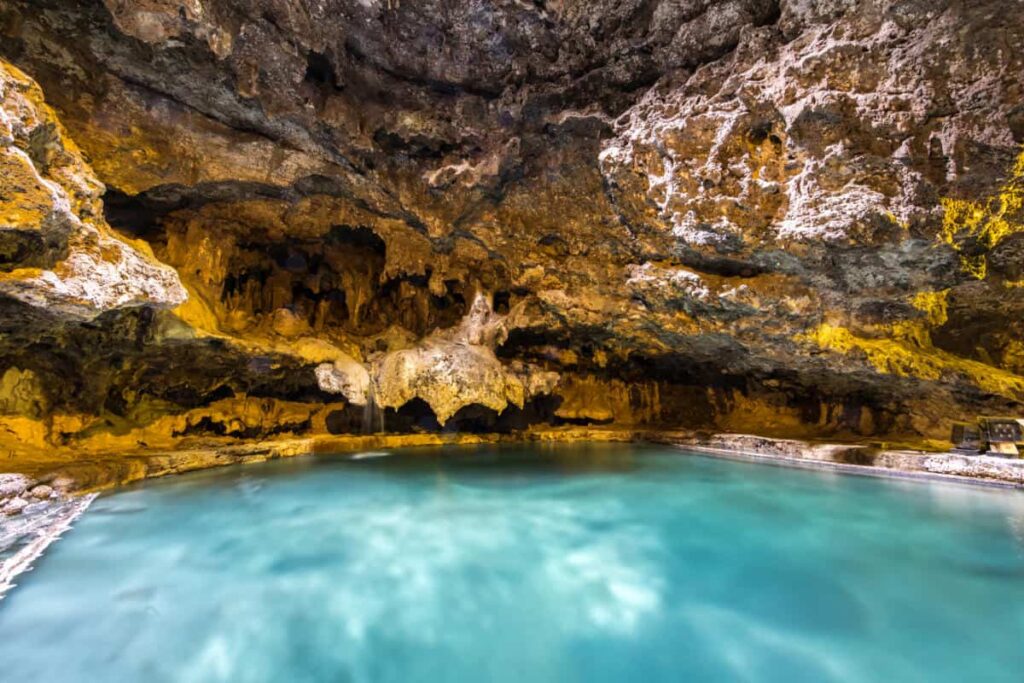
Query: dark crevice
{"type": "Point", "coordinates": [320, 73]}
{"type": "Point", "coordinates": [724, 266]}
{"type": "Point", "coordinates": [140, 215]}
{"type": "Point", "coordinates": [209, 426]}
{"type": "Point", "coordinates": [416, 416]}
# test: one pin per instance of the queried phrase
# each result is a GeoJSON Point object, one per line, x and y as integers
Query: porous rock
{"type": "Point", "coordinates": [788, 217]}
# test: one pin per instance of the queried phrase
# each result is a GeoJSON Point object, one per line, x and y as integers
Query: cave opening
{"type": "Point", "coordinates": [335, 283]}
{"type": "Point", "coordinates": [134, 215]}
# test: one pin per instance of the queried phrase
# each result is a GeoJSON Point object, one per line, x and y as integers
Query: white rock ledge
{"type": "Point", "coordinates": [30, 533]}
{"type": "Point", "coordinates": [983, 470]}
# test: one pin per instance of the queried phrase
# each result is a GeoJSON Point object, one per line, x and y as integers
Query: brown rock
{"type": "Point", "coordinates": [786, 216]}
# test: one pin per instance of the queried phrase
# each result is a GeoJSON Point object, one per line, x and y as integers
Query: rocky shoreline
{"type": "Point", "coordinates": [62, 477]}
{"type": "Point", "coordinates": [25, 537]}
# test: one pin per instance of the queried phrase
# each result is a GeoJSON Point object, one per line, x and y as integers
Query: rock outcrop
{"type": "Point", "coordinates": [457, 367]}
{"type": "Point", "coordinates": [792, 217]}
{"type": "Point", "coordinates": [58, 253]}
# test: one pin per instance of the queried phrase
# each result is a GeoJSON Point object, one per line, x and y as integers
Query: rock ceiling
{"type": "Point", "coordinates": [243, 218]}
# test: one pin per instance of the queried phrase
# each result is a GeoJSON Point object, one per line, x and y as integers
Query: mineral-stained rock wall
{"type": "Point", "coordinates": [797, 217]}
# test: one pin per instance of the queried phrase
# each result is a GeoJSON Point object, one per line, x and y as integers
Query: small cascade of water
{"type": "Point", "coordinates": [373, 416]}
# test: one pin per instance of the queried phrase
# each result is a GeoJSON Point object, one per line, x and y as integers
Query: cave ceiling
{"type": "Point", "coordinates": [811, 209]}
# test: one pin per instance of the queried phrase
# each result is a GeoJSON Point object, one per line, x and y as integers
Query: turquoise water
{"type": "Point", "coordinates": [561, 563]}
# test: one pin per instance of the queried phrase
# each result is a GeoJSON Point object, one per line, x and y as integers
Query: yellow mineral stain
{"type": "Point", "coordinates": [934, 304]}
{"type": "Point", "coordinates": [988, 221]}
{"type": "Point", "coordinates": [908, 352]}
{"type": "Point", "coordinates": [197, 313]}
{"type": "Point", "coordinates": [604, 400]}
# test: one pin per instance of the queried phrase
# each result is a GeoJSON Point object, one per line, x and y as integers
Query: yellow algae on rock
{"type": "Point", "coordinates": [590, 398]}
{"type": "Point", "coordinates": [887, 355]}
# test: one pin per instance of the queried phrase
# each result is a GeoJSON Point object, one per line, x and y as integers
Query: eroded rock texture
{"type": "Point", "coordinates": [798, 217]}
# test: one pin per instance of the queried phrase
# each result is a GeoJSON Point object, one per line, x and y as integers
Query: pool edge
{"type": "Point", "coordinates": [951, 468]}
{"type": "Point", "coordinates": [43, 532]}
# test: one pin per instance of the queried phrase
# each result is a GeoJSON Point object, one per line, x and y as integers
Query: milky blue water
{"type": "Point", "coordinates": [560, 563]}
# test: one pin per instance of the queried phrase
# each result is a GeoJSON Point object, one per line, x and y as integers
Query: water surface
{"type": "Point", "coordinates": [525, 564]}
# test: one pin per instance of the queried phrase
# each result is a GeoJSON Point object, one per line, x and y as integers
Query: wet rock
{"type": "Point", "coordinates": [63, 484]}
{"type": "Point", "coordinates": [15, 506]}
{"type": "Point", "coordinates": [1007, 258]}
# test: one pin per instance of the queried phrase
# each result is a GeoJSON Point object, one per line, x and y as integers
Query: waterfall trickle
{"type": "Point", "coordinates": [373, 416]}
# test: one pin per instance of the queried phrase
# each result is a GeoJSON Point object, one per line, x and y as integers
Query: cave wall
{"type": "Point", "coordinates": [248, 218]}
